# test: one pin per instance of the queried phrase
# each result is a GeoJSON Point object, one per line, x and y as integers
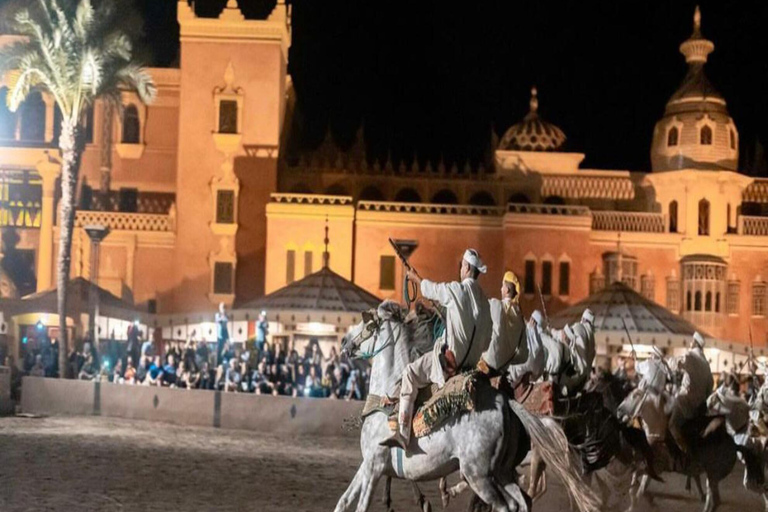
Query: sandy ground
{"type": "Point", "coordinates": [102, 464]}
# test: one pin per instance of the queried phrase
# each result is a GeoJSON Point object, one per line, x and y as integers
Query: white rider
{"type": "Point", "coordinates": [580, 340]}
{"type": "Point", "coordinates": [533, 368]}
{"type": "Point", "coordinates": [509, 343]}
{"type": "Point", "coordinates": [467, 334]}
{"type": "Point", "coordinates": [695, 388]}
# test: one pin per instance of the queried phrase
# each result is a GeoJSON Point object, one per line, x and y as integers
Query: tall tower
{"type": "Point", "coordinates": [696, 131]}
{"type": "Point", "coordinates": [232, 99]}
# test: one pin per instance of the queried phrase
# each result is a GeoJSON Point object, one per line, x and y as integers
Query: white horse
{"type": "Point", "coordinates": [484, 444]}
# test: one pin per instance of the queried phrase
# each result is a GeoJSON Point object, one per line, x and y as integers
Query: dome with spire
{"type": "Point", "coordinates": [533, 133]}
{"type": "Point", "coordinates": [696, 131]}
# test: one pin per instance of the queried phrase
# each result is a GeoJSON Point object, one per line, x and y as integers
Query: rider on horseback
{"type": "Point", "coordinates": [509, 344]}
{"type": "Point", "coordinates": [690, 401]}
{"type": "Point", "coordinates": [467, 334]}
{"type": "Point", "coordinates": [580, 341]}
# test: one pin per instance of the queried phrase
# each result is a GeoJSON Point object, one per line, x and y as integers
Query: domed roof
{"type": "Point", "coordinates": [533, 133]}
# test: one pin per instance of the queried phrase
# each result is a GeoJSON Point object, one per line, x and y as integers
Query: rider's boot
{"type": "Point", "coordinates": [402, 436]}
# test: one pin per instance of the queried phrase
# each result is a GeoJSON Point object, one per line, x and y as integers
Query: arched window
{"type": "Point", "coordinates": [717, 302]}
{"type": "Point", "coordinates": [445, 196]}
{"type": "Point", "coordinates": [673, 217]}
{"type": "Point", "coordinates": [708, 301]}
{"type": "Point", "coordinates": [697, 301]}
{"type": "Point", "coordinates": [733, 139]}
{"type": "Point", "coordinates": [482, 198]}
{"type": "Point", "coordinates": [32, 113]}
{"type": "Point", "coordinates": [704, 217]}
{"type": "Point", "coordinates": [705, 136]}
{"type": "Point", "coordinates": [672, 136]}
{"type": "Point", "coordinates": [407, 195]}
{"type": "Point", "coordinates": [131, 125]}
{"type": "Point", "coordinates": [7, 118]}
{"type": "Point", "coordinates": [519, 199]}
{"type": "Point", "coordinates": [371, 193]}
{"type": "Point", "coordinates": [688, 301]}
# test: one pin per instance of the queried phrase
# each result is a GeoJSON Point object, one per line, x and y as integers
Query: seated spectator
{"type": "Point", "coordinates": [300, 382]}
{"type": "Point", "coordinates": [188, 356]}
{"type": "Point", "coordinates": [186, 377]}
{"type": "Point", "coordinates": [354, 386]}
{"type": "Point", "coordinates": [260, 381]}
{"type": "Point", "coordinates": [205, 380]}
{"type": "Point", "coordinates": [38, 369]}
{"type": "Point", "coordinates": [172, 350]}
{"type": "Point", "coordinates": [117, 373]}
{"type": "Point", "coordinates": [141, 370]}
{"type": "Point", "coordinates": [155, 373]}
{"type": "Point", "coordinates": [169, 371]}
{"type": "Point", "coordinates": [232, 377]}
{"type": "Point", "coordinates": [129, 376]}
{"type": "Point", "coordinates": [286, 382]}
{"type": "Point", "coordinates": [90, 369]}
{"type": "Point", "coordinates": [201, 354]}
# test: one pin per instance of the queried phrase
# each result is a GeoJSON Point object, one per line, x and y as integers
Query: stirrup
{"type": "Point", "coordinates": [396, 440]}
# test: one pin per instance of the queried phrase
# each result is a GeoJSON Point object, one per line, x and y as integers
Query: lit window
{"type": "Point", "coordinates": [708, 302]}
{"type": "Point", "coordinates": [704, 217]}
{"type": "Point", "coordinates": [732, 299]}
{"type": "Point", "coordinates": [546, 278]}
{"type": "Point", "coordinates": [673, 217]}
{"type": "Point", "coordinates": [697, 301]}
{"type": "Point", "coordinates": [733, 139]}
{"type": "Point", "coordinates": [222, 278]}
{"type": "Point", "coordinates": [530, 277]}
{"type": "Point", "coordinates": [131, 125]}
{"type": "Point", "coordinates": [290, 266]}
{"type": "Point", "coordinates": [672, 136]}
{"type": "Point", "coordinates": [387, 273]}
{"type": "Point", "coordinates": [705, 136]}
{"type": "Point", "coordinates": [648, 287]}
{"type": "Point", "coordinates": [758, 299]}
{"type": "Point", "coordinates": [565, 278]}
{"type": "Point", "coordinates": [688, 301]}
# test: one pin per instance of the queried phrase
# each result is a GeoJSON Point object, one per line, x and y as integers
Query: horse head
{"type": "Point", "coordinates": [365, 340]}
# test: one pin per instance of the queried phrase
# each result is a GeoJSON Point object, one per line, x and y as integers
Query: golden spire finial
{"type": "Point", "coordinates": [534, 103]}
{"type": "Point", "coordinates": [326, 254]}
{"type": "Point", "coordinates": [697, 20]}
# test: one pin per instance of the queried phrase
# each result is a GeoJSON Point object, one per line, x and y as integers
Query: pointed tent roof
{"type": "Point", "coordinates": [78, 293]}
{"type": "Point", "coordinates": [645, 320]}
{"type": "Point", "coordinates": [325, 290]}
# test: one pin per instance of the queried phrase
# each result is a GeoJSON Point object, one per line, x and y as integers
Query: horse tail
{"type": "Point", "coordinates": [754, 478]}
{"type": "Point", "coordinates": [553, 446]}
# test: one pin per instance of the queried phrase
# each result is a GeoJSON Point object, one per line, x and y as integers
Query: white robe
{"type": "Point", "coordinates": [697, 383]}
{"type": "Point", "coordinates": [466, 311]}
{"type": "Point", "coordinates": [508, 338]}
{"type": "Point", "coordinates": [581, 351]}
{"type": "Point", "coordinates": [536, 361]}
{"type": "Point", "coordinates": [554, 350]}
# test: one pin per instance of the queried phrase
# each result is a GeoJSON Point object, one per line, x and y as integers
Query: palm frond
{"type": "Point", "coordinates": [83, 18]}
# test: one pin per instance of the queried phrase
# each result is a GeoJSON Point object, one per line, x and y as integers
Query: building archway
{"type": "Point", "coordinates": [371, 193]}
{"type": "Point", "coordinates": [407, 195]}
{"type": "Point", "coordinates": [557, 200]}
{"type": "Point", "coordinates": [445, 196]}
{"type": "Point", "coordinates": [482, 198]}
{"type": "Point", "coordinates": [519, 198]}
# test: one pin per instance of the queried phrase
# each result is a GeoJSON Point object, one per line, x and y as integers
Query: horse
{"type": "Point", "coordinates": [715, 454]}
{"type": "Point", "coordinates": [736, 411]}
{"type": "Point", "coordinates": [484, 444]}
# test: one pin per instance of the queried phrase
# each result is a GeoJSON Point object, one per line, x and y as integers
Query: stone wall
{"type": "Point", "coordinates": [295, 416]}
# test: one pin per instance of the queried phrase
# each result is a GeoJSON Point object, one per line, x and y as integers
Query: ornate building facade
{"type": "Point", "coordinates": [207, 203]}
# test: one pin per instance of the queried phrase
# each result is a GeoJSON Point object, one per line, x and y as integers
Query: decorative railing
{"type": "Point", "coordinates": [428, 208]}
{"type": "Point", "coordinates": [311, 199]}
{"type": "Point", "coordinates": [638, 222]}
{"type": "Point", "coordinates": [547, 209]}
{"type": "Point", "coordinates": [146, 202]}
{"type": "Point", "coordinates": [121, 221]}
{"type": "Point", "coordinates": [582, 185]}
{"type": "Point", "coordinates": [755, 226]}
{"type": "Point", "coordinates": [756, 192]}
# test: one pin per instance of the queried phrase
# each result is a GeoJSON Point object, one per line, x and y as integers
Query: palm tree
{"type": "Point", "coordinates": [76, 52]}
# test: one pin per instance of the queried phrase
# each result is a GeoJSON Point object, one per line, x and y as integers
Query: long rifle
{"type": "Point", "coordinates": [543, 306]}
{"type": "Point", "coordinates": [631, 344]}
{"type": "Point", "coordinates": [409, 296]}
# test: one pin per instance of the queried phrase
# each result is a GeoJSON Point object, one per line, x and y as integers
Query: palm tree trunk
{"type": "Point", "coordinates": [71, 145]}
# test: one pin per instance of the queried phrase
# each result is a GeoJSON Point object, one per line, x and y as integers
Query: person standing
{"type": "Point", "coordinates": [262, 330]}
{"type": "Point", "coordinates": [467, 334]}
{"type": "Point", "coordinates": [222, 331]}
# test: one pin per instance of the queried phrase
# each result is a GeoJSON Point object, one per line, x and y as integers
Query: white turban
{"type": "Point", "coordinates": [568, 332]}
{"type": "Point", "coordinates": [536, 315]}
{"type": "Point", "coordinates": [473, 258]}
{"type": "Point", "coordinates": [698, 339]}
{"type": "Point", "coordinates": [588, 316]}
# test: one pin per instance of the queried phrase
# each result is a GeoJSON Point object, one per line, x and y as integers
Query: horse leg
{"type": "Point", "coordinates": [488, 492]}
{"type": "Point", "coordinates": [697, 481]}
{"type": "Point", "coordinates": [367, 487]}
{"type": "Point", "coordinates": [421, 500]}
{"type": "Point", "coordinates": [765, 500]}
{"type": "Point", "coordinates": [352, 491]}
{"type": "Point", "coordinates": [516, 498]}
{"type": "Point", "coordinates": [386, 498]}
{"type": "Point", "coordinates": [445, 497]}
{"type": "Point", "coordinates": [713, 496]}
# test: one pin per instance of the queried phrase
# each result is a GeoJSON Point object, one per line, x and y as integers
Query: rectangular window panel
{"type": "Point", "coordinates": [225, 207]}
{"type": "Point", "coordinates": [565, 278]}
{"type": "Point", "coordinates": [673, 294]}
{"type": "Point", "coordinates": [129, 200]}
{"type": "Point", "coordinates": [648, 288]}
{"type": "Point", "coordinates": [228, 116]}
{"type": "Point", "coordinates": [758, 299]}
{"type": "Point", "coordinates": [546, 278]}
{"type": "Point", "coordinates": [222, 278]}
{"type": "Point", "coordinates": [530, 277]}
{"type": "Point", "coordinates": [307, 262]}
{"type": "Point", "coordinates": [290, 266]}
{"type": "Point", "coordinates": [387, 273]}
{"type": "Point", "coordinates": [732, 299]}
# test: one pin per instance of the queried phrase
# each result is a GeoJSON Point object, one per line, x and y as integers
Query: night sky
{"type": "Point", "coordinates": [432, 78]}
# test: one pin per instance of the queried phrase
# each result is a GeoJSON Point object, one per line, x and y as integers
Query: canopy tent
{"type": "Point", "coordinates": [623, 318]}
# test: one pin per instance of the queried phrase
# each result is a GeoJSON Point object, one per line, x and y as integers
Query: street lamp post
{"type": "Point", "coordinates": [96, 233]}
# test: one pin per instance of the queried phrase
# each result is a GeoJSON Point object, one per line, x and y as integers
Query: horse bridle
{"type": "Point", "coordinates": [376, 351]}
